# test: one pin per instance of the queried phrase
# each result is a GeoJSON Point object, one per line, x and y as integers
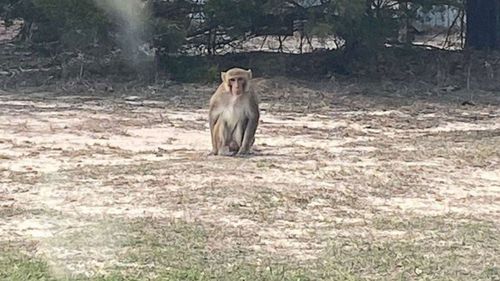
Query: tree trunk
{"type": "Point", "coordinates": [482, 24]}
{"type": "Point", "coordinates": [26, 31]}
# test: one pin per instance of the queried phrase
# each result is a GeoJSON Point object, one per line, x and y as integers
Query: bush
{"type": "Point", "coordinates": [75, 23]}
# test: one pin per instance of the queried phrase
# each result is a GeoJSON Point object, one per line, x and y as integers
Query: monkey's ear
{"type": "Point", "coordinates": [223, 76]}
{"type": "Point", "coordinates": [249, 71]}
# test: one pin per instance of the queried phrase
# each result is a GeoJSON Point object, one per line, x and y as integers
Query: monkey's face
{"type": "Point", "coordinates": [236, 80]}
{"type": "Point", "coordinates": [237, 85]}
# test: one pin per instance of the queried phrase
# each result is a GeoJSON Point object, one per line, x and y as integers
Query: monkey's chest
{"type": "Point", "coordinates": [233, 114]}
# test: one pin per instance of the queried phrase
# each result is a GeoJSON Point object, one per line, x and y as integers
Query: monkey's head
{"type": "Point", "coordinates": [236, 80]}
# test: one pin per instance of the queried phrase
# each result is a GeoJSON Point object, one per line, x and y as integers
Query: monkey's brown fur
{"type": "Point", "coordinates": [233, 114]}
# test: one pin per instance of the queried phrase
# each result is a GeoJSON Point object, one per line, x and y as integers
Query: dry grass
{"type": "Point", "coordinates": [343, 185]}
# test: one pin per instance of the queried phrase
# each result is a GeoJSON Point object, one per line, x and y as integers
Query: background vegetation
{"type": "Point", "coordinates": [171, 33]}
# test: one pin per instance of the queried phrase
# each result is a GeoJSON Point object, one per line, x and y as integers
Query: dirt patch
{"type": "Point", "coordinates": [328, 163]}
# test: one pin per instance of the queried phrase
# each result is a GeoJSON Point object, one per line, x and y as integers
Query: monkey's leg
{"type": "Point", "coordinates": [237, 136]}
{"type": "Point", "coordinates": [224, 140]}
{"type": "Point", "coordinates": [248, 137]}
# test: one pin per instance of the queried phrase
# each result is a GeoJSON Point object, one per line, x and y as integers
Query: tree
{"type": "Point", "coordinates": [74, 23]}
{"type": "Point", "coordinates": [482, 24]}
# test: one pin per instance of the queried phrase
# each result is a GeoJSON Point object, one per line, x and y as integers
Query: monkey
{"type": "Point", "coordinates": [233, 114]}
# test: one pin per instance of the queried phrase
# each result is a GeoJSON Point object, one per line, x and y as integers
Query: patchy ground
{"type": "Point", "coordinates": [348, 182]}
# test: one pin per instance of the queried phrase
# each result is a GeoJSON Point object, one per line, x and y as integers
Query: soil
{"type": "Point", "coordinates": [327, 155]}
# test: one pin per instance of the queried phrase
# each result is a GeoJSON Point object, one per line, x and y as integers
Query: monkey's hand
{"type": "Point", "coordinates": [225, 151]}
{"type": "Point", "coordinates": [243, 153]}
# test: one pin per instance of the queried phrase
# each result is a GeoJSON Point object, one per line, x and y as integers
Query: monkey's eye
{"type": "Point", "coordinates": [232, 79]}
